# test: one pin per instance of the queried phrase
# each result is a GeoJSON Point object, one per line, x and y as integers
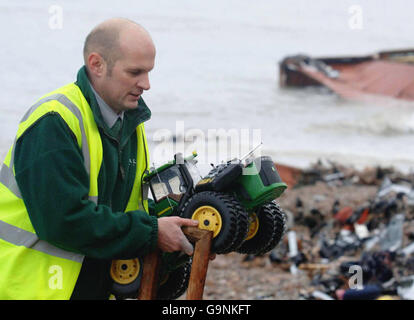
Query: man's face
{"type": "Point", "coordinates": [122, 87]}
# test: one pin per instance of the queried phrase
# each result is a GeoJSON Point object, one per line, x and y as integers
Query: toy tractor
{"type": "Point", "coordinates": [235, 200]}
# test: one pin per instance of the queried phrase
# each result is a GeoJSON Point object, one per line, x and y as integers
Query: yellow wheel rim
{"type": "Point", "coordinates": [209, 219]}
{"type": "Point", "coordinates": [253, 226]}
{"type": "Point", "coordinates": [125, 271]}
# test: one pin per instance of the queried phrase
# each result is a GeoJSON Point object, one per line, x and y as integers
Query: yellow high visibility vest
{"type": "Point", "coordinates": [31, 268]}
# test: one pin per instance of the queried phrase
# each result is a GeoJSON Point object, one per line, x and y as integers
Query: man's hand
{"type": "Point", "coordinates": [170, 236]}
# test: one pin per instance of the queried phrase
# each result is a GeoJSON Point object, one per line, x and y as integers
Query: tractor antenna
{"type": "Point", "coordinates": [251, 151]}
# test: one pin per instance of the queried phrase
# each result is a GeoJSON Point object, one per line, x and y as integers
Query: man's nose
{"type": "Point", "coordinates": [144, 82]}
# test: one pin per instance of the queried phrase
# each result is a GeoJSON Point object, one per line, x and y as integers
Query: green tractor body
{"type": "Point", "coordinates": [260, 185]}
{"type": "Point", "coordinates": [246, 188]}
{"type": "Point", "coordinates": [254, 184]}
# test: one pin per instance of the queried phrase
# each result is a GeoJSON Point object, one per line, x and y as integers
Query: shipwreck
{"type": "Point", "coordinates": [386, 74]}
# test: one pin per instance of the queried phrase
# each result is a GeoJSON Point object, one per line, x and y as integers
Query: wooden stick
{"type": "Point", "coordinates": [149, 280]}
{"type": "Point", "coordinates": [201, 258]}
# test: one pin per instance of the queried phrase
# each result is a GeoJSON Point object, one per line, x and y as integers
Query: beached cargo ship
{"type": "Point", "coordinates": [383, 74]}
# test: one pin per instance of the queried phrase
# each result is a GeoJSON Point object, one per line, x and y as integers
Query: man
{"type": "Point", "coordinates": [71, 194]}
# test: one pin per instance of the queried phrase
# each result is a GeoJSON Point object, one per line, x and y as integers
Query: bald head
{"type": "Point", "coordinates": [119, 55]}
{"type": "Point", "coordinates": [108, 38]}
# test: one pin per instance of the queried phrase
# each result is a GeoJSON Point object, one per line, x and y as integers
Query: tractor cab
{"type": "Point", "coordinates": [172, 183]}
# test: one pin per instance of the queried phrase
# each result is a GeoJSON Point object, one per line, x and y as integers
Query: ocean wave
{"type": "Point", "coordinates": [380, 124]}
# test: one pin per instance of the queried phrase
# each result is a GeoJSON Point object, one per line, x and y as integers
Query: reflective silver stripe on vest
{"type": "Point", "coordinates": [20, 237]}
{"type": "Point", "coordinates": [72, 107]}
{"type": "Point", "coordinates": [145, 189]}
{"type": "Point", "coordinates": [6, 174]}
{"type": "Point", "coordinates": [7, 178]}
{"type": "Point", "coordinates": [94, 199]}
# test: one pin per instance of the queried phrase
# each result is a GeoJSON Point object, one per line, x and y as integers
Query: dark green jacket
{"type": "Point", "coordinates": [58, 208]}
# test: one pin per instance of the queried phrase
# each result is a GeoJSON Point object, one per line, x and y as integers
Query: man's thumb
{"type": "Point", "coordinates": [187, 247]}
{"type": "Point", "coordinates": [189, 222]}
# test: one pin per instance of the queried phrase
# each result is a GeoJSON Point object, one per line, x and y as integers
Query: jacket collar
{"type": "Point", "coordinates": [132, 118]}
{"type": "Point", "coordinates": [108, 114]}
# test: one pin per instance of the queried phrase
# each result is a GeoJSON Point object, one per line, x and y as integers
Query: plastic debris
{"type": "Point", "coordinates": [391, 238]}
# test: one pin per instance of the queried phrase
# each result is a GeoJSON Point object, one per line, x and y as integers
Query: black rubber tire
{"type": "Point", "coordinates": [272, 227]}
{"type": "Point", "coordinates": [242, 226]}
{"type": "Point", "coordinates": [127, 291]}
{"type": "Point", "coordinates": [233, 216]}
{"type": "Point", "coordinates": [176, 283]}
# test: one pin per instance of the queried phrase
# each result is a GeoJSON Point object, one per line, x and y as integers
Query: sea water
{"type": "Point", "coordinates": [215, 87]}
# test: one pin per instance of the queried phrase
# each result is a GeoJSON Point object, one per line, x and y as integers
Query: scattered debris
{"type": "Point", "coordinates": [351, 236]}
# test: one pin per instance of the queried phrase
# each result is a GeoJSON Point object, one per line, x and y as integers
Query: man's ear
{"type": "Point", "coordinates": [96, 64]}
